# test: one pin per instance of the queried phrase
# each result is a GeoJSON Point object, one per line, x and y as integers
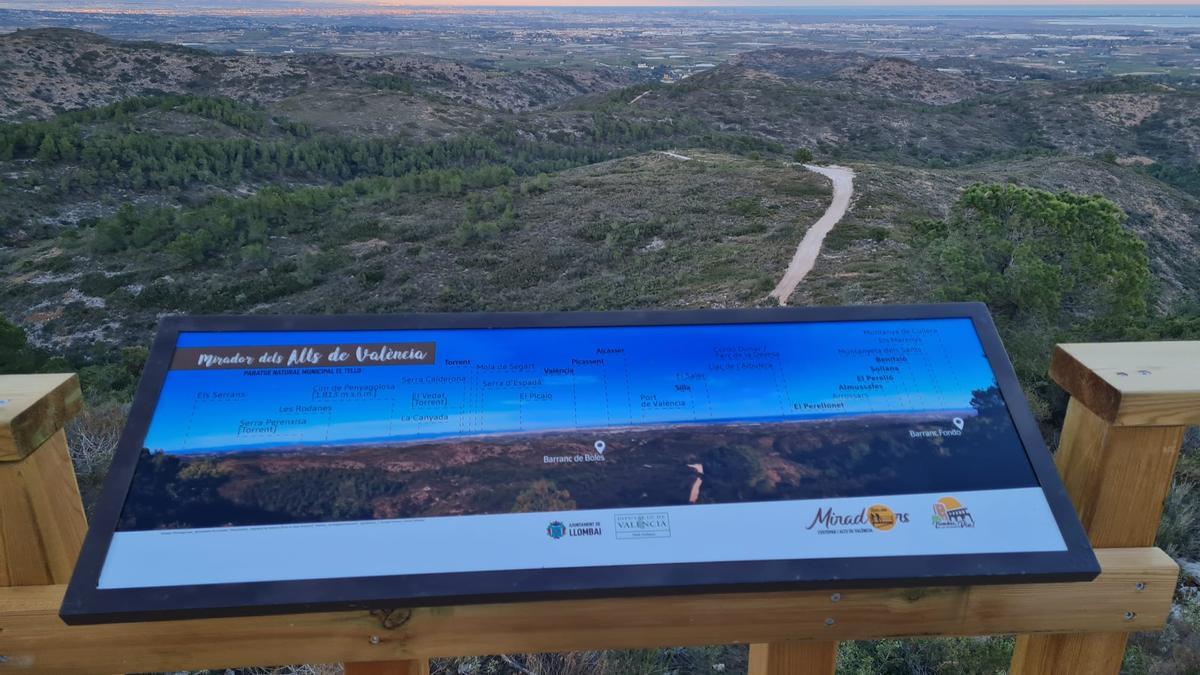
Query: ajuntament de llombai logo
{"type": "Point", "coordinates": [558, 529]}
{"type": "Point", "coordinates": [874, 518]}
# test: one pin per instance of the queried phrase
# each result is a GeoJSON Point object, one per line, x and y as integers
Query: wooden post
{"type": "Point", "coordinates": [41, 515]}
{"type": "Point", "coordinates": [410, 667]}
{"type": "Point", "coordinates": [793, 658]}
{"type": "Point", "coordinates": [1130, 405]}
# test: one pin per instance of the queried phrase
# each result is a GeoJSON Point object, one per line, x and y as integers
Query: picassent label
{"type": "Point", "coordinates": [293, 356]}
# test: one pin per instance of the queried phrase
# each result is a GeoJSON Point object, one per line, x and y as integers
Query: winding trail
{"type": "Point", "coordinates": [675, 155]}
{"type": "Point", "coordinates": [810, 247]}
{"type": "Point", "coordinates": [694, 496]}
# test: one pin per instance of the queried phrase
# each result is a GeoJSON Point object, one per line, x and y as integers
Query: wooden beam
{"type": "Point", "coordinates": [1133, 383]}
{"type": "Point", "coordinates": [1133, 592]}
{"type": "Point", "coordinates": [32, 408]}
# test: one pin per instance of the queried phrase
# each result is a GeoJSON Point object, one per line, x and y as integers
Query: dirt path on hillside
{"type": "Point", "coordinates": [810, 247]}
{"type": "Point", "coordinates": [694, 496]}
{"type": "Point", "coordinates": [675, 155]}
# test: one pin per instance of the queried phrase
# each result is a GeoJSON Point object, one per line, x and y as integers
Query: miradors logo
{"type": "Point", "coordinates": [875, 518]}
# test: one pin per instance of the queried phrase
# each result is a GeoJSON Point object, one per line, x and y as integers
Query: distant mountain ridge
{"type": "Point", "coordinates": [941, 111]}
{"type": "Point", "coordinates": [858, 73]}
{"type": "Point", "coordinates": [50, 70]}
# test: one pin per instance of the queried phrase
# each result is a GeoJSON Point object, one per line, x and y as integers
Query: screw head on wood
{"type": "Point", "coordinates": [1139, 586]}
{"type": "Point", "coordinates": [829, 621]}
{"type": "Point", "coordinates": [374, 639]}
{"type": "Point", "coordinates": [1129, 616]}
{"type": "Point", "coordinates": [835, 597]}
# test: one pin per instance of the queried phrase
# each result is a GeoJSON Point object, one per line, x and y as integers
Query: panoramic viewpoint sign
{"type": "Point", "coordinates": [293, 463]}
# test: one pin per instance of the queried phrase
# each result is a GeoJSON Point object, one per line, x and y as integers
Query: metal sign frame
{"type": "Point", "coordinates": [85, 603]}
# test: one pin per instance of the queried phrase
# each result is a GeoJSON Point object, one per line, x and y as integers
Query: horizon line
{"type": "Point", "coordinates": [408, 440]}
{"type": "Point", "coordinates": [152, 6]}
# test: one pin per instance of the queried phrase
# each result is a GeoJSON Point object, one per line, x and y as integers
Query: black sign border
{"type": "Point", "coordinates": [84, 603]}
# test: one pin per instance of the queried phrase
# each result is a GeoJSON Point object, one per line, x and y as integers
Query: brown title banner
{"type": "Point", "coordinates": [304, 356]}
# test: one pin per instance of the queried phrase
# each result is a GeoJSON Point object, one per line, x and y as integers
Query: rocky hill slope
{"type": "Point", "coordinates": [322, 183]}
{"type": "Point", "coordinates": [48, 71]}
{"type": "Point", "coordinates": [921, 113]}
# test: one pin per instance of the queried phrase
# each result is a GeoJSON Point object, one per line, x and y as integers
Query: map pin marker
{"type": "Point", "coordinates": [600, 447]}
{"type": "Point", "coordinates": [958, 422]}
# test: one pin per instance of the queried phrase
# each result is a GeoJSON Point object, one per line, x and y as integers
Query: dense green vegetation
{"type": "Point", "coordinates": [208, 233]}
{"type": "Point", "coordinates": [1051, 267]}
{"type": "Point", "coordinates": [91, 149]}
{"type": "Point", "coordinates": [108, 376]}
{"type": "Point", "coordinates": [1186, 178]}
{"type": "Point", "coordinates": [60, 138]}
{"type": "Point", "coordinates": [146, 161]}
{"type": "Point", "coordinates": [17, 355]}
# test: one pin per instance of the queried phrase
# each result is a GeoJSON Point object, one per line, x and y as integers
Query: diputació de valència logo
{"type": "Point", "coordinates": [948, 513]}
{"type": "Point", "coordinates": [655, 525]}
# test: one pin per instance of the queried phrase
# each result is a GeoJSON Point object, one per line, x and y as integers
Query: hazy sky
{"type": "Point", "coordinates": [777, 3]}
{"type": "Point", "coordinates": [1074, 6]}
{"type": "Point", "coordinates": [1140, 6]}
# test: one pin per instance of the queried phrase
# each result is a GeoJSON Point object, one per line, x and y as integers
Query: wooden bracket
{"type": "Point", "coordinates": [41, 516]}
{"type": "Point", "coordinates": [1133, 384]}
{"type": "Point", "coordinates": [33, 408]}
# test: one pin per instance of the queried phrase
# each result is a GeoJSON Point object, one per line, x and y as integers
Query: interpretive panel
{"type": "Point", "coordinates": [430, 459]}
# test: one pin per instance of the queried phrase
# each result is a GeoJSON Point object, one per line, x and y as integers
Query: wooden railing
{"type": "Point", "coordinates": [1130, 404]}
